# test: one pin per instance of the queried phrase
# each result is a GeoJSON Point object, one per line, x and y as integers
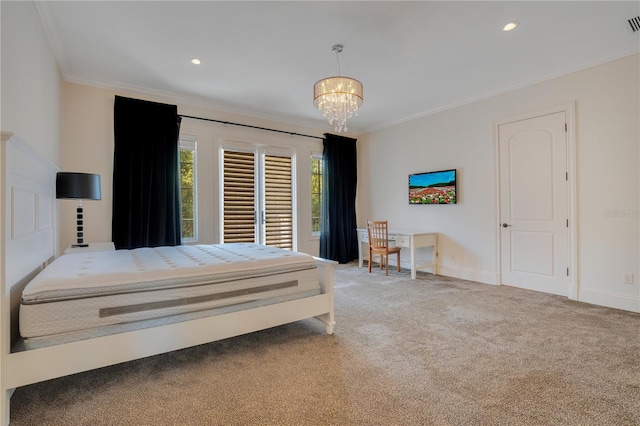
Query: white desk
{"type": "Point", "coordinates": [409, 239]}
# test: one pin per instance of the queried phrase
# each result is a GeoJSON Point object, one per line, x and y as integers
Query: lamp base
{"type": "Point", "coordinates": [79, 245]}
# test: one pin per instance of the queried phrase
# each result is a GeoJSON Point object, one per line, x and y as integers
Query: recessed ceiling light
{"type": "Point", "coordinates": [195, 61]}
{"type": "Point", "coordinates": [510, 26]}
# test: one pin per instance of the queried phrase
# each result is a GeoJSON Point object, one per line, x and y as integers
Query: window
{"type": "Point", "coordinates": [316, 192]}
{"type": "Point", "coordinates": [188, 196]}
{"type": "Point", "coordinates": [258, 197]}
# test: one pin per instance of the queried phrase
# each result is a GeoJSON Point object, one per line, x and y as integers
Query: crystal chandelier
{"type": "Point", "coordinates": [338, 97]}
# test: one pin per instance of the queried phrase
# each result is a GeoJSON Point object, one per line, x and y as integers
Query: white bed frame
{"type": "Point", "coordinates": [28, 241]}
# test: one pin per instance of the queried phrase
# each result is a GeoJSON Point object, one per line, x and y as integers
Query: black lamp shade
{"type": "Point", "coordinates": [79, 186]}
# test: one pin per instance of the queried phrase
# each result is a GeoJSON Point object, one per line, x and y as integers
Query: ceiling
{"type": "Point", "coordinates": [262, 58]}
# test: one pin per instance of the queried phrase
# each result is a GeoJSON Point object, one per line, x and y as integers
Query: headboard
{"type": "Point", "coordinates": [29, 213]}
{"type": "Point", "coordinates": [28, 236]}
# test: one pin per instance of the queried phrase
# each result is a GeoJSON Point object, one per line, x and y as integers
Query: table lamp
{"type": "Point", "coordinates": [79, 186]}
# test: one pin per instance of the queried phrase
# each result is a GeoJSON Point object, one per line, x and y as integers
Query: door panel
{"type": "Point", "coordinates": [533, 203]}
{"type": "Point", "coordinates": [238, 197]}
{"type": "Point", "coordinates": [278, 201]}
{"type": "Point", "coordinates": [539, 248]}
{"type": "Point", "coordinates": [531, 174]}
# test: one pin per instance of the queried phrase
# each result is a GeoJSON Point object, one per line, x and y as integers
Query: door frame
{"type": "Point", "coordinates": [572, 256]}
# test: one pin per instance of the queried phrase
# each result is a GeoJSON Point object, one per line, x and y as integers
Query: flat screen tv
{"type": "Point", "coordinates": [433, 187]}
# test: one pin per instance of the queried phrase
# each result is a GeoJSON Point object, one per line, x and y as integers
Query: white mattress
{"type": "Point", "coordinates": [86, 291]}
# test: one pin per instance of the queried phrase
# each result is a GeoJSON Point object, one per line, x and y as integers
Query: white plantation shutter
{"type": "Point", "coordinates": [238, 197]}
{"type": "Point", "coordinates": [244, 197]}
{"type": "Point", "coordinates": [278, 202]}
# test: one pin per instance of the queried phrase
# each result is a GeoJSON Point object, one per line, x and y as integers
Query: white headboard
{"type": "Point", "coordinates": [28, 236]}
{"type": "Point", "coordinates": [28, 212]}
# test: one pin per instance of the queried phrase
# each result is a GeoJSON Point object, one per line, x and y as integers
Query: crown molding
{"type": "Point", "coordinates": [46, 14]}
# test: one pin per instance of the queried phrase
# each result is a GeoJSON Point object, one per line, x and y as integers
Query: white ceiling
{"type": "Point", "coordinates": [262, 58]}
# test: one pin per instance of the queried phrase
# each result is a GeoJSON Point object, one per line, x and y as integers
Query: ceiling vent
{"type": "Point", "coordinates": [634, 23]}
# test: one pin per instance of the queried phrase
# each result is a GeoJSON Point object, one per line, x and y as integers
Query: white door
{"type": "Point", "coordinates": [533, 203]}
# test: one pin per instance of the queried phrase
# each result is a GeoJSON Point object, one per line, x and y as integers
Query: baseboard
{"type": "Point", "coordinates": [610, 300]}
{"type": "Point", "coordinates": [485, 277]}
{"type": "Point", "coordinates": [594, 297]}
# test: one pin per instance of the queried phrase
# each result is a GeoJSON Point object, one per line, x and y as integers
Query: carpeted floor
{"type": "Point", "coordinates": [434, 351]}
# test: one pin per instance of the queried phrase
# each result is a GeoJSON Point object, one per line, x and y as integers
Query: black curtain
{"type": "Point", "coordinates": [146, 187]}
{"type": "Point", "coordinates": [338, 235]}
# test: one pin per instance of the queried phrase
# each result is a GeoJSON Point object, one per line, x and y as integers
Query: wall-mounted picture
{"type": "Point", "coordinates": [433, 187]}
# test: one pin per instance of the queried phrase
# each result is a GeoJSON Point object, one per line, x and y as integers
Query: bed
{"type": "Point", "coordinates": [130, 304]}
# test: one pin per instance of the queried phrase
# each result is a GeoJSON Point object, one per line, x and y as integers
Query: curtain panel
{"type": "Point", "coordinates": [338, 235]}
{"type": "Point", "coordinates": [146, 186]}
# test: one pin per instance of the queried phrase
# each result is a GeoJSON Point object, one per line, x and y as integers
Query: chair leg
{"type": "Point", "coordinates": [387, 265]}
{"type": "Point", "coordinates": [381, 261]}
{"type": "Point", "coordinates": [370, 258]}
{"type": "Point", "coordinates": [398, 261]}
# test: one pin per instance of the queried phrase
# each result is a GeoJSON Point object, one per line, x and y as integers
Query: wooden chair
{"type": "Point", "coordinates": [379, 243]}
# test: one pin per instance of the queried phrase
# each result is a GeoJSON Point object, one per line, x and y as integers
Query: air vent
{"type": "Point", "coordinates": [635, 24]}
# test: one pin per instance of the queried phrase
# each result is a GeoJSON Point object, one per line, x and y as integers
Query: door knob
{"type": "Point", "coordinates": [504, 225]}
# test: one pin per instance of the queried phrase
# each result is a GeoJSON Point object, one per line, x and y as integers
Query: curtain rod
{"type": "Point", "coordinates": [252, 127]}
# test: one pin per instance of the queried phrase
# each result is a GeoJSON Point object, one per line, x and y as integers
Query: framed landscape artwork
{"type": "Point", "coordinates": [433, 187]}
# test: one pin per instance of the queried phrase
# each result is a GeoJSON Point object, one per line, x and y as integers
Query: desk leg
{"type": "Point", "coordinates": [435, 255]}
{"type": "Point", "coordinates": [413, 262]}
{"type": "Point", "coordinates": [435, 260]}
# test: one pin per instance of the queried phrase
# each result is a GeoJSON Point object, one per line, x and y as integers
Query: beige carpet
{"type": "Point", "coordinates": [434, 351]}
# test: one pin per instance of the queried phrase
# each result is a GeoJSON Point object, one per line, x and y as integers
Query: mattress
{"type": "Point", "coordinates": [111, 290]}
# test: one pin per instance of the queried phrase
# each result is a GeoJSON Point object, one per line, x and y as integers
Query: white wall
{"type": "Point", "coordinates": [607, 160]}
{"type": "Point", "coordinates": [31, 85]}
{"type": "Point", "coordinates": [88, 147]}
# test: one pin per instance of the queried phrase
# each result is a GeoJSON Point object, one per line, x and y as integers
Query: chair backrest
{"type": "Point", "coordinates": [378, 233]}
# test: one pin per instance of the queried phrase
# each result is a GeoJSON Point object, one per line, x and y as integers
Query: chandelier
{"type": "Point", "coordinates": [338, 97]}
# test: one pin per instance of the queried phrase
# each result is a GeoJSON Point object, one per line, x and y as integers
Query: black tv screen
{"type": "Point", "coordinates": [433, 187]}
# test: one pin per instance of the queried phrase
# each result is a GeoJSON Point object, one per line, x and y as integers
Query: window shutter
{"type": "Point", "coordinates": [239, 197]}
{"type": "Point", "coordinates": [278, 200]}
